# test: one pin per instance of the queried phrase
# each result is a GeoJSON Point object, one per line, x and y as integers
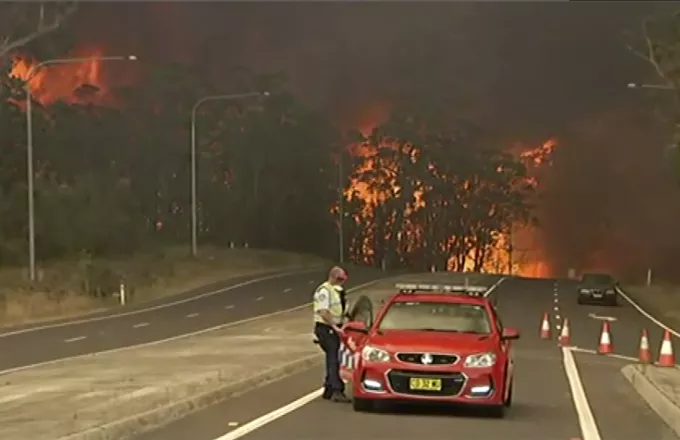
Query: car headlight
{"type": "Point", "coordinates": [583, 291]}
{"type": "Point", "coordinates": [374, 354]}
{"type": "Point", "coordinates": [481, 360]}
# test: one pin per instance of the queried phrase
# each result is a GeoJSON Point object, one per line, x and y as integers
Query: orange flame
{"type": "Point", "coordinates": [72, 82]}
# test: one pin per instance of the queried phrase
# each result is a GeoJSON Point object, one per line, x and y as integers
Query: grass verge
{"type": "Point", "coordinates": [73, 287]}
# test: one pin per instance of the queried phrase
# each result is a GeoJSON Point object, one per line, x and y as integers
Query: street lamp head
{"type": "Point", "coordinates": [132, 57]}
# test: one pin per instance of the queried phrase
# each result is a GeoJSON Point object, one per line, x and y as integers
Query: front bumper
{"type": "Point", "coordinates": [597, 297]}
{"type": "Point", "coordinates": [391, 381]}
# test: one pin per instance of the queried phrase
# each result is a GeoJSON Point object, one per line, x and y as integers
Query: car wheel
{"type": "Point", "coordinates": [497, 411]}
{"type": "Point", "coordinates": [508, 401]}
{"type": "Point", "coordinates": [362, 405]}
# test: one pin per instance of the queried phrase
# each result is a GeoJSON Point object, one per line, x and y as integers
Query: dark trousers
{"type": "Point", "coordinates": [330, 344]}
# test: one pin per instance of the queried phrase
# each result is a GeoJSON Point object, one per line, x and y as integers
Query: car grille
{"type": "Point", "coordinates": [452, 383]}
{"type": "Point", "coordinates": [437, 359]}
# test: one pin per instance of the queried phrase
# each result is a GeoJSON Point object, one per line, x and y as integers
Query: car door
{"type": "Point", "coordinates": [506, 348]}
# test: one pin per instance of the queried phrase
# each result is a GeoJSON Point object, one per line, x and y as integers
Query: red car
{"type": "Point", "coordinates": [433, 343]}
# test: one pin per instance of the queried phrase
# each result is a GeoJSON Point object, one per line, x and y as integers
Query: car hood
{"type": "Point", "coordinates": [433, 342]}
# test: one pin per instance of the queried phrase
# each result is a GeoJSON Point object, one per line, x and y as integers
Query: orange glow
{"type": "Point", "coordinates": [528, 258]}
{"type": "Point", "coordinates": [74, 82]}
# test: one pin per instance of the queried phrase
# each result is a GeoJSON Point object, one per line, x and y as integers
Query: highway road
{"type": "Point", "coordinates": [559, 394]}
{"type": "Point", "coordinates": [235, 300]}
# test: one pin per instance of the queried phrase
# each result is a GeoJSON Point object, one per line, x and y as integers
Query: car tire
{"type": "Point", "coordinates": [362, 405]}
{"type": "Point", "coordinates": [497, 411]}
{"type": "Point", "coordinates": [508, 401]}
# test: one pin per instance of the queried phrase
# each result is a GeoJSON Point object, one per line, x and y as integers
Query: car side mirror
{"type": "Point", "coordinates": [356, 326]}
{"type": "Point", "coordinates": [510, 334]}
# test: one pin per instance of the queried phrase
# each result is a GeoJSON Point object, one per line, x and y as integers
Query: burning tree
{"type": "Point", "coordinates": [427, 196]}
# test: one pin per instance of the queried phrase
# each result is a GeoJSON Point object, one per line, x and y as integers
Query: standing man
{"type": "Point", "coordinates": [328, 314]}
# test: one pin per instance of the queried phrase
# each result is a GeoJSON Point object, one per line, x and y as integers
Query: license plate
{"type": "Point", "coordinates": [422, 384]}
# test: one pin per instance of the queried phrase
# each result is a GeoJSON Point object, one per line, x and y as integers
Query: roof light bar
{"type": "Point", "coordinates": [441, 288]}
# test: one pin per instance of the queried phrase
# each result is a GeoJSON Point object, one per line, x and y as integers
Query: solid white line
{"type": "Point", "coordinates": [647, 315]}
{"type": "Point", "coordinates": [77, 338]}
{"type": "Point", "coordinates": [182, 336]}
{"type": "Point", "coordinates": [586, 419]}
{"type": "Point", "coordinates": [611, 355]}
{"type": "Point", "coordinates": [157, 307]}
{"type": "Point", "coordinates": [192, 315]}
{"type": "Point", "coordinates": [287, 290]}
{"type": "Point", "coordinates": [272, 416]}
{"type": "Point", "coordinates": [140, 325]}
{"type": "Point", "coordinates": [494, 287]}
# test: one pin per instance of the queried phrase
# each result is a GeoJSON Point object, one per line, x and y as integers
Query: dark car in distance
{"type": "Point", "coordinates": [598, 288]}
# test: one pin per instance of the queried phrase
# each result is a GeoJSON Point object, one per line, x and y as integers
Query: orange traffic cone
{"type": "Point", "coordinates": [545, 327]}
{"type": "Point", "coordinates": [565, 339]}
{"type": "Point", "coordinates": [645, 353]}
{"type": "Point", "coordinates": [666, 356]}
{"type": "Point", "coordinates": [606, 345]}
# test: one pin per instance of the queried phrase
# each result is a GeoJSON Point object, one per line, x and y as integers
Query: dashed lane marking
{"type": "Point", "coordinates": [259, 298]}
{"type": "Point", "coordinates": [140, 325]}
{"type": "Point", "coordinates": [586, 419]}
{"type": "Point", "coordinates": [192, 315]}
{"type": "Point", "coordinates": [287, 290]}
{"type": "Point", "coordinates": [230, 306]}
{"type": "Point", "coordinates": [76, 339]}
{"type": "Point", "coordinates": [184, 335]}
{"type": "Point", "coordinates": [556, 308]}
{"type": "Point", "coordinates": [160, 306]}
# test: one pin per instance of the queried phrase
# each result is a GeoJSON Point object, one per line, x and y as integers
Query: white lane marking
{"type": "Point", "coordinates": [232, 424]}
{"type": "Point", "coordinates": [557, 317]}
{"type": "Point", "coordinates": [556, 301]}
{"type": "Point", "coordinates": [76, 339]}
{"type": "Point", "coordinates": [311, 282]}
{"type": "Point", "coordinates": [259, 422]}
{"type": "Point", "coordinates": [230, 306]}
{"type": "Point", "coordinates": [556, 308]}
{"type": "Point", "coordinates": [586, 419]}
{"type": "Point", "coordinates": [601, 318]}
{"type": "Point", "coordinates": [646, 314]}
{"type": "Point", "coordinates": [287, 290]}
{"type": "Point", "coordinates": [259, 298]}
{"type": "Point", "coordinates": [494, 286]}
{"type": "Point", "coordinates": [185, 335]}
{"type": "Point", "coordinates": [140, 325]}
{"type": "Point", "coordinates": [192, 315]}
{"type": "Point", "coordinates": [157, 307]}
{"type": "Point", "coordinates": [611, 355]}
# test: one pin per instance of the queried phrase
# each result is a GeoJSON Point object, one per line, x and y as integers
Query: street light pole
{"type": "Point", "coordinates": [194, 196]}
{"type": "Point", "coordinates": [29, 145]}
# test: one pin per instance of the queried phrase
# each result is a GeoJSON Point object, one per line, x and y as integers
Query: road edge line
{"type": "Point", "coordinates": [657, 400]}
{"type": "Point", "coordinates": [154, 418]}
{"type": "Point", "coordinates": [182, 336]}
{"type": "Point", "coordinates": [586, 419]}
{"type": "Point", "coordinates": [646, 314]}
{"type": "Point", "coordinates": [114, 315]}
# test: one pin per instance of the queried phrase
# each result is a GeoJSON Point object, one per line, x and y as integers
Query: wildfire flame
{"type": "Point", "coordinates": [71, 82]}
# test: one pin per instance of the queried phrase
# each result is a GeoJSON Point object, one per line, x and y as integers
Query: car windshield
{"type": "Point", "coordinates": [597, 278]}
{"type": "Point", "coordinates": [436, 317]}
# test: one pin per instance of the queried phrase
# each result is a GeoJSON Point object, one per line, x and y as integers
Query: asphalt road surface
{"type": "Point", "coordinates": [547, 404]}
{"type": "Point", "coordinates": [238, 299]}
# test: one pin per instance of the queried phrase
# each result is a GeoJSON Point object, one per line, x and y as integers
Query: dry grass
{"type": "Point", "coordinates": [62, 288]}
{"type": "Point", "coordinates": [663, 299]}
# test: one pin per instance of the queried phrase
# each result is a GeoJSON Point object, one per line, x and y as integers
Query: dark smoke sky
{"type": "Point", "coordinates": [528, 70]}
